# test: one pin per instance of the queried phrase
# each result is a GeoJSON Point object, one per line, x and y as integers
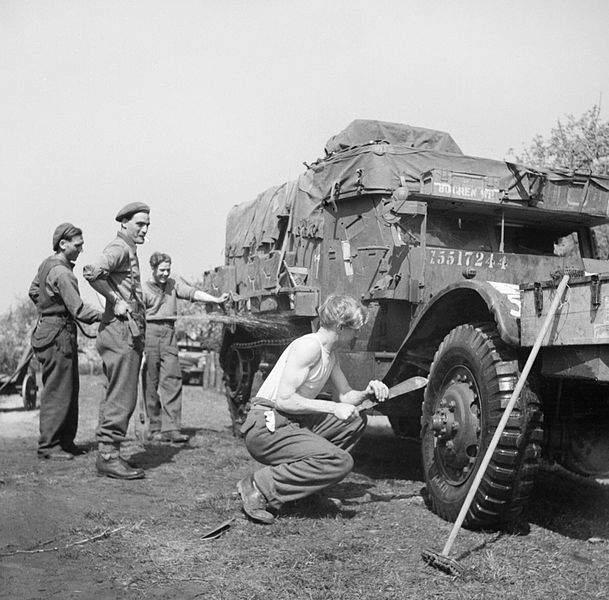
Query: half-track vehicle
{"type": "Point", "coordinates": [457, 259]}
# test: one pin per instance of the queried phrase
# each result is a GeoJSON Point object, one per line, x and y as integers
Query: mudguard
{"type": "Point", "coordinates": [463, 302]}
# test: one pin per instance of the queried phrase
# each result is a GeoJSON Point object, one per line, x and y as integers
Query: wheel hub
{"type": "Point", "coordinates": [456, 426]}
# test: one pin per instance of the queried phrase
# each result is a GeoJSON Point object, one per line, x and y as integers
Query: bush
{"type": "Point", "coordinates": [198, 327]}
{"type": "Point", "coordinates": [197, 324]}
{"type": "Point", "coordinates": [16, 326]}
{"type": "Point", "coordinates": [574, 144]}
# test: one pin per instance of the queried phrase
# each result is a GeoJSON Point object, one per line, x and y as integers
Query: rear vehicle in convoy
{"type": "Point", "coordinates": [457, 259]}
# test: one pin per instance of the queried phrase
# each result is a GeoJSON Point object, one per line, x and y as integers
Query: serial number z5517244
{"type": "Point", "coordinates": [467, 258]}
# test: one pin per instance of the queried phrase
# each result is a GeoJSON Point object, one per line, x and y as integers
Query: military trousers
{"type": "Point", "coordinates": [163, 378]}
{"type": "Point", "coordinates": [305, 454]}
{"type": "Point", "coordinates": [59, 396]}
{"type": "Point", "coordinates": [121, 355]}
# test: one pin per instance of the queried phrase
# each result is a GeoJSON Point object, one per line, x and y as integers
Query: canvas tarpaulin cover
{"type": "Point", "coordinates": [381, 168]}
{"type": "Point", "coordinates": [349, 170]}
{"type": "Point", "coordinates": [256, 222]}
{"type": "Point", "coordinates": [360, 132]}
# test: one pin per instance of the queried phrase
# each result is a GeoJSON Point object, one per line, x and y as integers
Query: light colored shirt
{"type": "Point", "coordinates": [161, 301]}
{"type": "Point", "coordinates": [310, 388]}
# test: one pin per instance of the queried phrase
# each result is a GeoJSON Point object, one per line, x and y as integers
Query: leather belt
{"type": "Point", "coordinates": [57, 318]}
{"type": "Point", "coordinates": [166, 323]}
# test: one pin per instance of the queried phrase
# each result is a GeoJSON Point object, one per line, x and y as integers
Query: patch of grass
{"type": "Point", "coordinates": [218, 502]}
{"type": "Point", "coordinates": [69, 553]}
{"type": "Point", "coordinates": [494, 568]}
{"type": "Point", "coordinates": [100, 516]}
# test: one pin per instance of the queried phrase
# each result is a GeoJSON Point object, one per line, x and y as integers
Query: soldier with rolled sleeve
{"type": "Point", "coordinates": [163, 375]}
{"type": "Point", "coordinates": [55, 293]}
{"type": "Point", "coordinates": [120, 341]}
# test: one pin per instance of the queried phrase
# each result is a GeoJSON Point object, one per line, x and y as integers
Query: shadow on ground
{"type": "Point", "coordinates": [382, 456]}
{"type": "Point", "coordinates": [570, 505]}
{"type": "Point", "coordinates": [155, 455]}
{"type": "Point", "coordinates": [13, 409]}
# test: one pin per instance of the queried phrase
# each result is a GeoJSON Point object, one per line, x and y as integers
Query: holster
{"type": "Point", "coordinates": [136, 319]}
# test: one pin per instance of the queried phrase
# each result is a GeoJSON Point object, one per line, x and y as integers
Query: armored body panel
{"type": "Point", "coordinates": [443, 248]}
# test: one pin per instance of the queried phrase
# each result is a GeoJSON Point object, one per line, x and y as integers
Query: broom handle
{"type": "Point", "coordinates": [506, 415]}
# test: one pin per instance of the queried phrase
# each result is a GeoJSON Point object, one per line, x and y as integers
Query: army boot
{"type": "Point", "coordinates": [110, 465]}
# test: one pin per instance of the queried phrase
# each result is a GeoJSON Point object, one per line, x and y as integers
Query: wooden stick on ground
{"type": "Point", "coordinates": [104, 534]}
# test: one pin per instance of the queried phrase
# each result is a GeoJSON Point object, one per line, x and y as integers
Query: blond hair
{"type": "Point", "coordinates": [341, 310]}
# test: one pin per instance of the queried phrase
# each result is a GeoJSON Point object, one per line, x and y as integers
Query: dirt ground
{"type": "Point", "coordinates": [66, 533]}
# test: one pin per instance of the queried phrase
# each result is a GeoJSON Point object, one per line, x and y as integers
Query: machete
{"type": "Point", "coordinates": [405, 387]}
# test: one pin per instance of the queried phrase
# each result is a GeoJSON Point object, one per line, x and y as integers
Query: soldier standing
{"type": "Point", "coordinates": [163, 375]}
{"type": "Point", "coordinates": [55, 293]}
{"type": "Point", "coordinates": [120, 341]}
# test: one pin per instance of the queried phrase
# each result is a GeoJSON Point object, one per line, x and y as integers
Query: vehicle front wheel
{"type": "Point", "coordinates": [471, 380]}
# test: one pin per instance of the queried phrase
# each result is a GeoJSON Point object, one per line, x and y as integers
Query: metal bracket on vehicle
{"type": "Point", "coordinates": [538, 295]}
{"type": "Point", "coordinates": [595, 292]}
{"type": "Point", "coordinates": [358, 184]}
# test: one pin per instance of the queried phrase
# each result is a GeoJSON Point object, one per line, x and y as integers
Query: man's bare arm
{"type": "Point", "coordinates": [303, 356]}
{"type": "Point", "coordinates": [201, 296]}
{"type": "Point", "coordinates": [375, 389]}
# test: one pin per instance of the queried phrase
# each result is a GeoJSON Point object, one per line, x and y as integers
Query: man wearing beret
{"type": "Point", "coordinates": [163, 374]}
{"type": "Point", "coordinates": [55, 293]}
{"type": "Point", "coordinates": [120, 342]}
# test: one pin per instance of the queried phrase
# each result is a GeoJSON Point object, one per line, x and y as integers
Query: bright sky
{"type": "Point", "coordinates": [196, 105]}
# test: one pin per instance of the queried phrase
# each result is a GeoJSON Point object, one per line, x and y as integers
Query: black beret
{"type": "Point", "coordinates": [130, 209]}
{"type": "Point", "coordinates": [65, 231]}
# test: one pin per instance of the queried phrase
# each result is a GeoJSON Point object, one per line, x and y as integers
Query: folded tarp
{"type": "Point", "coordinates": [362, 131]}
{"type": "Point", "coordinates": [381, 168]}
{"type": "Point", "coordinates": [256, 222]}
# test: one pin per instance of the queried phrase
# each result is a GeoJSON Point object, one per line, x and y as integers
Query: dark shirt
{"type": "Point", "coordinates": [61, 285]}
{"type": "Point", "coordinates": [119, 266]}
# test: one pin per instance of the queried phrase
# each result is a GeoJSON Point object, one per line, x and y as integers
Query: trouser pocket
{"type": "Point", "coordinates": [66, 343]}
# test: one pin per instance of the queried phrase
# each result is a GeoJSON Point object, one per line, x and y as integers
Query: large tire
{"type": "Point", "coordinates": [470, 383]}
